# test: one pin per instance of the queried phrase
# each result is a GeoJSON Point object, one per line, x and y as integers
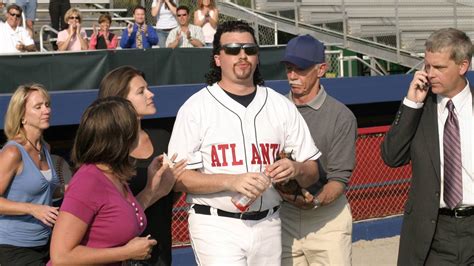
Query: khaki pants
{"type": "Point", "coordinates": [321, 236]}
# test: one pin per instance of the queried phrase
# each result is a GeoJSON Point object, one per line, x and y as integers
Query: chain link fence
{"type": "Point", "coordinates": [334, 61]}
{"type": "Point", "coordinates": [375, 190]}
{"type": "Point", "coordinates": [179, 225]}
{"type": "Point", "coordinates": [265, 35]}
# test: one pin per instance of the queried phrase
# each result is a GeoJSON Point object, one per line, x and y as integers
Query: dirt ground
{"type": "Point", "coordinates": [375, 252]}
{"type": "Point", "coordinates": [378, 252]}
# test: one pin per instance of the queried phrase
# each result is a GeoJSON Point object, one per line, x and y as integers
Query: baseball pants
{"type": "Point", "coordinates": [229, 241]}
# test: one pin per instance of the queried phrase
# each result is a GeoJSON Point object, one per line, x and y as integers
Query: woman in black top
{"type": "Point", "coordinates": [129, 83]}
{"type": "Point", "coordinates": [103, 38]}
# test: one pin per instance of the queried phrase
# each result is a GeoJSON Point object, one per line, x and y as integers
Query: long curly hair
{"type": "Point", "coordinates": [215, 74]}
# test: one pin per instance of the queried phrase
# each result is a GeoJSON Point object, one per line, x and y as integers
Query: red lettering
{"type": "Point", "coordinates": [265, 148]}
{"type": "Point", "coordinates": [234, 157]}
{"type": "Point", "coordinates": [214, 157]}
{"type": "Point", "coordinates": [275, 148]}
{"type": "Point", "coordinates": [255, 156]}
{"type": "Point", "coordinates": [223, 148]}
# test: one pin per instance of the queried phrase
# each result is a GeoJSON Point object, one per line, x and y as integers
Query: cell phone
{"type": "Point", "coordinates": [427, 85]}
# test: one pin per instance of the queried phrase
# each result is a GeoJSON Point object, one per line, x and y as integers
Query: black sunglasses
{"type": "Point", "coordinates": [234, 48]}
{"type": "Point", "coordinates": [73, 17]}
{"type": "Point", "coordinates": [15, 15]}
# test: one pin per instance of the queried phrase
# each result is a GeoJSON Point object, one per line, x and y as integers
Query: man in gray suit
{"type": "Point", "coordinates": [433, 130]}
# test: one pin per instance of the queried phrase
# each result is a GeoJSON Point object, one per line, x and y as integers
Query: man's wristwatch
{"type": "Point", "coordinates": [316, 202]}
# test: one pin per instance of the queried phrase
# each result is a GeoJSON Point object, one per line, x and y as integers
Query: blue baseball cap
{"type": "Point", "coordinates": [304, 51]}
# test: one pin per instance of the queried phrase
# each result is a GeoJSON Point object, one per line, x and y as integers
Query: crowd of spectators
{"type": "Point", "coordinates": [103, 212]}
{"type": "Point", "coordinates": [172, 30]}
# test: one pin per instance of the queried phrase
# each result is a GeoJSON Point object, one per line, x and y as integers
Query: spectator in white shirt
{"type": "Point", "coordinates": [165, 13]}
{"type": "Point", "coordinates": [186, 34]}
{"type": "Point", "coordinates": [13, 38]}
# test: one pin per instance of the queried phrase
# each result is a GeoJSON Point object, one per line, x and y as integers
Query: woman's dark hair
{"type": "Point", "coordinates": [104, 18]}
{"type": "Point", "coordinates": [117, 81]}
{"type": "Point", "coordinates": [107, 132]}
{"type": "Point", "coordinates": [215, 74]}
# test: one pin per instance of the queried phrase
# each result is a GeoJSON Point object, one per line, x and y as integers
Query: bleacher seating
{"type": "Point", "coordinates": [375, 19]}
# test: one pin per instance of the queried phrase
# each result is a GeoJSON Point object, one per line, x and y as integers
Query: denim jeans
{"type": "Point", "coordinates": [162, 35]}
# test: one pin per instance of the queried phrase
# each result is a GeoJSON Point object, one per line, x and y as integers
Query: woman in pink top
{"type": "Point", "coordinates": [73, 38]}
{"type": "Point", "coordinates": [103, 39]}
{"type": "Point", "coordinates": [100, 220]}
{"type": "Point", "coordinates": [207, 17]}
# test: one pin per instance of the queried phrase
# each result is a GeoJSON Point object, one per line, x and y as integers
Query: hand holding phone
{"type": "Point", "coordinates": [419, 87]}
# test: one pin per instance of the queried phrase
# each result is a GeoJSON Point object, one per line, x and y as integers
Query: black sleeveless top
{"type": "Point", "coordinates": [159, 214]}
{"type": "Point", "coordinates": [101, 44]}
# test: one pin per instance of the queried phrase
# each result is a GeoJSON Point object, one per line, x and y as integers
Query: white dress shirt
{"type": "Point", "coordinates": [464, 111]}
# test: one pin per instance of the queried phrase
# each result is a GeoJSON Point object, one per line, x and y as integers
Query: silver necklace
{"type": "Point", "coordinates": [40, 154]}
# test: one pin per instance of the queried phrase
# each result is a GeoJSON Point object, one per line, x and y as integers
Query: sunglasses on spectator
{"type": "Point", "coordinates": [181, 15]}
{"type": "Point", "coordinates": [74, 17]}
{"type": "Point", "coordinates": [15, 15]}
{"type": "Point", "coordinates": [234, 48]}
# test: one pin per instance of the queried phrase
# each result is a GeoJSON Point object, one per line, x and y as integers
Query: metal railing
{"type": "Point", "coordinates": [23, 20]}
{"type": "Point", "coordinates": [42, 31]}
{"type": "Point", "coordinates": [360, 45]}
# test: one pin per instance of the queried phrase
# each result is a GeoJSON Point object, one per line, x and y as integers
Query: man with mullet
{"type": "Point", "coordinates": [231, 132]}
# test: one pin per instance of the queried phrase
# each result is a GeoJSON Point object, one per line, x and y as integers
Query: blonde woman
{"type": "Point", "coordinates": [27, 180]}
{"type": "Point", "coordinates": [207, 17]}
{"type": "Point", "coordinates": [73, 38]}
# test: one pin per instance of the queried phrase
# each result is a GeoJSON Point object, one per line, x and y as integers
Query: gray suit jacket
{"type": "Point", "coordinates": [413, 137]}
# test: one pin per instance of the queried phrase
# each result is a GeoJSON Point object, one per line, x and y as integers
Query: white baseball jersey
{"type": "Point", "coordinates": [216, 134]}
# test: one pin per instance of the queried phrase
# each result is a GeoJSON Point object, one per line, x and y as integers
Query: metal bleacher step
{"type": "Point", "coordinates": [378, 19]}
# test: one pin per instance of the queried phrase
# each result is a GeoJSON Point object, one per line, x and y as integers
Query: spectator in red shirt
{"type": "Point", "coordinates": [103, 38]}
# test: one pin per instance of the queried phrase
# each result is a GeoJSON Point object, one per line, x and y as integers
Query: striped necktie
{"type": "Point", "coordinates": [452, 159]}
